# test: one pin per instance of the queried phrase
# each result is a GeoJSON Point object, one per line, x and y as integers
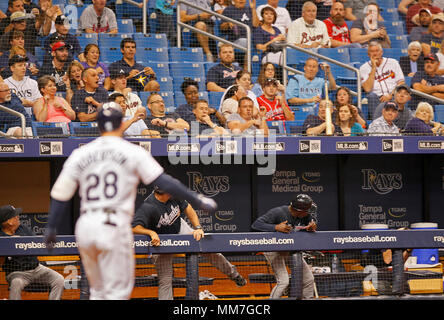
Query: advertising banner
{"type": "Point", "coordinates": [312, 175]}
{"type": "Point", "coordinates": [384, 190]}
{"type": "Point", "coordinates": [228, 185]}
{"type": "Point", "coordinates": [435, 185]}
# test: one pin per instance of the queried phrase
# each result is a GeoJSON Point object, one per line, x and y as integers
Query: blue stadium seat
{"type": "Point", "coordinates": [439, 113]}
{"type": "Point", "coordinates": [147, 54]}
{"type": "Point", "coordinates": [125, 26]}
{"type": "Point", "coordinates": [293, 127]}
{"type": "Point", "coordinates": [295, 57]}
{"type": "Point", "coordinates": [394, 53]}
{"type": "Point", "coordinates": [339, 54]}
{"type": "Point", "coordinates": [166, 83]}
{"type": "Point", "coordinates": [82, 129]}
{"type": "Point", "coordinates": [186, 54]}
{"type": "Point", "coordinates": [390, 14]}
{"type": "Point", "coordinates": [40, 53]}
{"type": "Point", "coordinates": [358, 55]}
{"type": "Point", "coordinates": [53, 129]}
{"type": "Point", "coordinates": [109, 40]}
{"type": "Point", "coordinates": [399, 41]}
{"type": "Point", "coordinates": [179, 97]}
{"type": "Point", "coordinates": [183, 70]}
{"type": "Point", "coordinates": [109, 55]}
{"type": "Point", "coordinates": [161, 69]}
{"type": "Point", "coordinates": [128, 11]}
{"type": "Point", "coordinates": [278, 126]}
{"type": "Point", "coordinates": [4, 6]}
{"type": "Point", "coordinates": [87, 38]}
{"type": "Point", "coordinates": [151, 40]}
{"type": "Point", "coordinates": [214, 99]}
{"type": "Point", "coordinates": [395, 27]}
{"type": "Point", "coordinates": [386, 4]}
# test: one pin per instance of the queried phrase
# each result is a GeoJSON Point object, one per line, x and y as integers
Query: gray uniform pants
{"type": "Point", "coordinates": [18, 280]}
{"type": "Point", "coordinates": [277, 261]}
{"type": "Point", "coordinates": [164, 267]}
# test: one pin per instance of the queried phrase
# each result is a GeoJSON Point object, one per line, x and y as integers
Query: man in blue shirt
{"type": "Point", "coordinates": [160, 213]}
{"type": "Point", "coordinates": [9, 123]}
{"type": "Point", "coordinates": [306, 90]}
{"type": "Point", "coordinates": [428, 81]}
{"type": "Point", "coordinates": [140, 78]}
{"type": "Point", "coordinates": [223, 75]}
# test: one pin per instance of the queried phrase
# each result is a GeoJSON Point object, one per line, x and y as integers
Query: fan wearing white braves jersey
{"type": "Point", "coordinates": [107, 172]}
{"type": "Point", "coordinates": [380, 76]}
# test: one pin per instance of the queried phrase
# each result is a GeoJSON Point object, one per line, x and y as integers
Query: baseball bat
{"type": "Point", "coordinates": [328, 129]}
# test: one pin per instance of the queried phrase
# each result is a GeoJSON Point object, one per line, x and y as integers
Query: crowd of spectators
{"type": "Point", "coordinates": [70, 82]}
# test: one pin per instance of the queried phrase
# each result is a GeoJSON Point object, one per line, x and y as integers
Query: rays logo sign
{"type": "Point", "coordinates": [381, 183]}
{"type": "Point", "coordinates": [209, 186]}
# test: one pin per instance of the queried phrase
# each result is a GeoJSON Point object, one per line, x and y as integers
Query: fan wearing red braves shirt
{"type": "Point", "coordinates": [275, 105]}
{"type": "Point", "coordinates": [337, 27]}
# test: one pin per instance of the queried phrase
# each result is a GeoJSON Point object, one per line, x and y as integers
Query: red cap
{"type": "Point", "coordinates": [58, 45]}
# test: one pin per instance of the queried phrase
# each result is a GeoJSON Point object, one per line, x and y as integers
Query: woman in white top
{"type": "Point", "coordinates": [243, 79]}
{"type": "Point", "coordinates": [231, 97]}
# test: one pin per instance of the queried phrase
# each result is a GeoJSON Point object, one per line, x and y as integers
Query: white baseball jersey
{"type": "Point", "coordinates": [107, 171]}
{"type": "Point", "coordinates": [25, 89]}
{"type": "Point", "coordinates": [300, 32]}
{"type": "Point", "coordinates": [388, 75]}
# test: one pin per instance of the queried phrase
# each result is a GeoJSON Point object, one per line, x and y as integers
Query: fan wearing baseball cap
{"type": "Point", "coordinates": [19, 22]}
{"type": "Point", "coordinates": [431, 40]}
{"type": "Point", "coordinates": [58, 65]}
{"type": "Point", "coordinates": [428, 81]}
{"type": "Point", "coordinates": [62, 27]}
{"type": "Point", "coordinates": [299, 214]}
{"type": "Point", "coordinates": [24, 270]}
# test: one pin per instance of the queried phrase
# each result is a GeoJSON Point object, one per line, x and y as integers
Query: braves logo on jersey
{"type": "Point", "coordinates": [168, 219]}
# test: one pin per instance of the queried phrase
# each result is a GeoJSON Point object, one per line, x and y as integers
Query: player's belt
{"type": "Point", "coordinates": [107, 211]}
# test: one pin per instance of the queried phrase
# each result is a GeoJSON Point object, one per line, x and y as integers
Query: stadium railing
{"type": "Point", "coordinates": [180, 25]}
{"type": "Point", "coordinates": [244, 250]}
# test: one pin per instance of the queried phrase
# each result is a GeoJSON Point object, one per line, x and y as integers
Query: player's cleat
{"type": "Point", "coordinates": [239, 280]}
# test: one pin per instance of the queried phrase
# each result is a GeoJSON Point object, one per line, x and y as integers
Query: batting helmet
{"type": "Point", "coordinates": [302, 202]}
{"type": "Point", "coordinates": [109, 117]}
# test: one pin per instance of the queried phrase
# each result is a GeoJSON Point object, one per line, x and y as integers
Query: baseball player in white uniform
{"type": "Point", "coordinates": [107, 172]}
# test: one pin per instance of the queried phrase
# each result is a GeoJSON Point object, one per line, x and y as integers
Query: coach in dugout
{"type": "Point", "coordinates": [24, 270]}
{"type": "Point", "coordinates": [161, 214]}
{"type": "Point", "coordinates": [299, 215]}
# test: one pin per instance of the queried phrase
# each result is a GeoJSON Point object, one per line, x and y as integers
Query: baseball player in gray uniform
{"type": "Point", "coordinates": [107, 172]}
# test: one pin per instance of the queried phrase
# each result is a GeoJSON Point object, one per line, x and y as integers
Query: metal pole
{"type": "Point", "coordinates": [295, 264]}
{"type": "Point", "coordinates": [192, 279]}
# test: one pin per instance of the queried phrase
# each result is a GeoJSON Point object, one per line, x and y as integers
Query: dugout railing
{"type": "Point", "coordinates": [232, 244]}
